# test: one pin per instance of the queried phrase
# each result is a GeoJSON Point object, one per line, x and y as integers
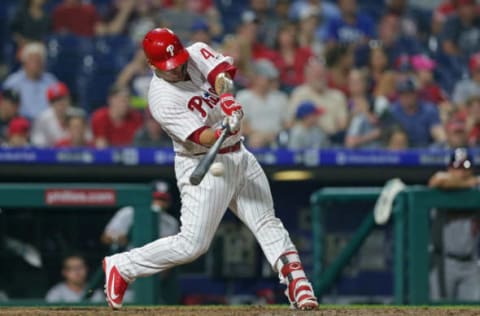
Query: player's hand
{"type": "Point", "coordinates": [233, 122]}
{"type": "Point", "coordinates": [229, 105]}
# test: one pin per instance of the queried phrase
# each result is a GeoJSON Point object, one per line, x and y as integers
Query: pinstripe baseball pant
{"type": "Point", "coordinates": [243, 188]}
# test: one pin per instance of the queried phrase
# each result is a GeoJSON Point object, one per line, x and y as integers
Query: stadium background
{"type": "Point", "coordinates": [90, 63]}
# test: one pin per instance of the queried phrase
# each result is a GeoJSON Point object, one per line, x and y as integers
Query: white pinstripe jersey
{"type": "Point", "coordinates": [183, 107]}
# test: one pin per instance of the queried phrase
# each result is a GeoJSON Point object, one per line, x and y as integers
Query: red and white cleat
{"type": "Point", "coordinates": [300, 294]}
{"type": "Point", "coordinates": [299, 290]}
{"type": "Point", "coordinates": [115, 284]}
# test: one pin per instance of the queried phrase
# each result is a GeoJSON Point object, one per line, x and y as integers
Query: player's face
{"type": "Point", "coordinates": [61, 105]}
{"type": "Point", "coordinates": [76, 128]}
{"type": "Point", "coordinates": [75, 271]}
{"type": "Point", "coordinates": [175, 75]}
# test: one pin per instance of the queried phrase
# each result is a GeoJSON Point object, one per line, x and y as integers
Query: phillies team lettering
{"type": "Point", "coordinates": [196, 102]}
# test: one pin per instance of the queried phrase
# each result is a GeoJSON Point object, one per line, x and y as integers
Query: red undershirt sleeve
{"type": "Point", "coordinates": [195, 136]}
{"type": "Point", "coordinates": [222, 67]}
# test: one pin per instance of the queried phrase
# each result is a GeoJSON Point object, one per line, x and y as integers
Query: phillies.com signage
{"type": "Point", "coordinates": [80, 197]}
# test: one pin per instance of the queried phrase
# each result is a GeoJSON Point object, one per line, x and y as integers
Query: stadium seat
{"type": "Point", "coordinates": [99, 69]}
{"type": "Point", "coordinates": [229, 10]}
{"type": "Point", "coordinates": [65, 54]}
{"type": "Point", "coordinates": [449, 71]}
{"type": "Point", "coordinates": [7, 54]}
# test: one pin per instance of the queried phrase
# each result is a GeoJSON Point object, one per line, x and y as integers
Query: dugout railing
{"type": "Point", "coordinates": [91, 196]}
{"type": "Point", "coordinates": [411, 234]}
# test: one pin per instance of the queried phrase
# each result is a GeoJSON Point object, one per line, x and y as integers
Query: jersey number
{"type": "Point", "coordinates": [206, 53]}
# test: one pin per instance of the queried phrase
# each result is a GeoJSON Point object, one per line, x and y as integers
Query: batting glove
{"type": "Point", "coordinates": [229, 105]}
{"type": "Point", "coordinates": [231, 123]}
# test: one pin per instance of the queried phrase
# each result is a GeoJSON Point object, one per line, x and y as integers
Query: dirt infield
{"type": "Point", "coordinates": [240, 311]}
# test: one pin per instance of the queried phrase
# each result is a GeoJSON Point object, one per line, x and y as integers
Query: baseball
{"type": "Point", "coordinates": [217, 169]}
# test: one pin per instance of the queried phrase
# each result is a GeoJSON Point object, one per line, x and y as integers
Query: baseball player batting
{"type": "Point", "coordinates": [191, 96]}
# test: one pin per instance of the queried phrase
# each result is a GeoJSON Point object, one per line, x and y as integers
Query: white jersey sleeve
{"type": "Point", "coordinates": [210, 62]}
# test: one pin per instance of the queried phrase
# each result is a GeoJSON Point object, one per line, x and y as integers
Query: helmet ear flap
{"type": "Point", "coordinates": [163, 49]}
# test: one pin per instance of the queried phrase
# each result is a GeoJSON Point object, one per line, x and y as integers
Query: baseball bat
{"type": "Point", "coordinates": [202, 168]}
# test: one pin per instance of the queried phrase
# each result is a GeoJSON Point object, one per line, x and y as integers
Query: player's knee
{"type": "Point", "coordinates": [194, 248]}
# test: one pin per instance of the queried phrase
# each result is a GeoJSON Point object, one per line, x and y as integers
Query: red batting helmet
{"type": "Point", "coordinates": [163, 49]}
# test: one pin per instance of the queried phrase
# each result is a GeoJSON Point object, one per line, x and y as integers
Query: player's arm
{"type": "Point", "coordinates": [231, 108]}
{"type": "Point", "coordinates": [446, 181]}
{"type": "Point", "coordinates": [225, 88]}
{"type": "Point", "coordinates": [204, 136]}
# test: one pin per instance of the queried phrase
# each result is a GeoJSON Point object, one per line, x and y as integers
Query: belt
{"type": "Point", "coordinates": [460, 257]}
{"type": "Point", "coordinates": [468, 257]}
{"type": "Point", "coordinates": [225, 150]}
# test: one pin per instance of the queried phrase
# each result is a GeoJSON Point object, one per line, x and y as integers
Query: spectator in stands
{"type": "Point", "coordinates": [208, 10]}
{"type": "Point", "coordinates": [314, 15]}
{"type": "Point", "coordinates": [143, 19]}
{"type": "Point", "coordinates": [77, 130]}
{"type": "Point", "coordinates": [456, 132]}
{"type": "Point", "coordinates": [290, 58]}
{"type": "Point", "coordinates": [429, 90]}
{"type": "Point", "coordinates": [393, 42]}
{"type": "Point", "coordinates": [340, 61]}
{"type": "Point", "coordinates": [364, 130]}
{"type": "Point", "coordinates": [31, 81]}
{"type": "Point", "coordinates": [151, 134]}
{"type": "Point", "coordinates": [470, 86]}
{"type": "Point", "coordinates": [200, 32]}
{"type": "Point", "coordinates": [419, 119]}
{"type": "Point", "coordinates": [248, 32]}
{"type": "Point", "coordinates": [74, 286]}
{"type": "Point", "coordinates": [412, 22]}
{"type": "Point", "coordinates": [384, 92]}
{"type": "Point", "coordinates": [51, 125]}
{"type": "Point", "coordinates": [9, 104]}
{"type": "Point", "coordinates": [333, 102]}
{"type": "Point", "coordinates": [378, 62]}
{"type": "Point", "coordinates": [328, 10]}
{"type": "Point", "coordinates": [352, 27]}
{"type": "Point", "coordinates": [136, 75]}
{"type": "Point", "coordinates": [18, 132]}
{"type": "Point", "coordinates": [241, 52]}
{"type": "Point", "coordinates": [179, 17]}
{"type": "Point", "coordinates": [278, 17]}
{"type": "Point", "coordinates": [473, 114]}
{"type": "Point", "coordinates": [440, 15]}
{"type": "Point", "coordinates": [129, 17]}
{"type": "Point", "coordinates": [403, 67]}
{"type": "Point", "coordinates": [358, 87]}
{"type": "Point", "coordinates": [266, 20]}
{"type": "Point", "coordinates": [306, 134]}
{"type": "Point", "coordinates": [265, 106]}
{"type": "Point", "coordinates": [308, 26]}
{"type": "Point", "coordinates": [461, 32]}
{"type": "Point", "coordinates": [76, 17]}
{"type": "Point", "coordinates": [116, 124]}
{"type": "Point", "coordinates": [396, 138]}
{"type": "Point", "coordinates": [445, 10]}
{"type": "Point", "coordinates": [455, 274]}
{"type": "Point", "coordinates": [31, 23]}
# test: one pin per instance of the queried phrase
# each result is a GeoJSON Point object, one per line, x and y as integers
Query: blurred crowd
{"type": "Point", "coordinates": [310, 73]}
